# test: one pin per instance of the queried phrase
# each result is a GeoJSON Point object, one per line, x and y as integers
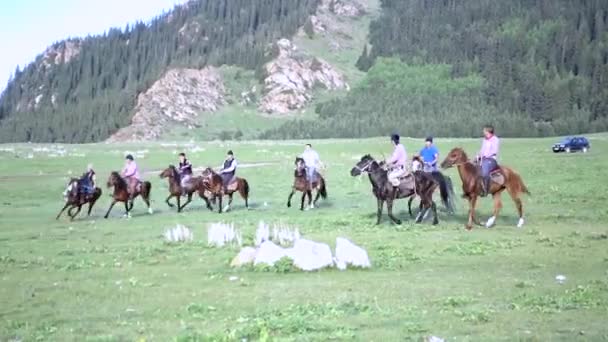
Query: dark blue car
{"type": "Point", "coordinates": [572, 144]}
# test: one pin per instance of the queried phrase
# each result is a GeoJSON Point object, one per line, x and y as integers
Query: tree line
{"type": "Point", "coordinates": [532, 68]}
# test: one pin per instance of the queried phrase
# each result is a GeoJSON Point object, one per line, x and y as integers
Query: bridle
{"type": "Point", "coordinates": [364, 169]}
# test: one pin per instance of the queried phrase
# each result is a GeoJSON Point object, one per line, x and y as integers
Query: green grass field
{"type": "Point", "coordinates": [116, 279]}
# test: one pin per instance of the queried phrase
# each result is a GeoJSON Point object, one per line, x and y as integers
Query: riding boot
{"type": "Point", "coordinates": [485, 189]}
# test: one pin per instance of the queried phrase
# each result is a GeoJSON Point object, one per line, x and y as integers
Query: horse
{"type": "Point", "coordinates": [75, 200]}
{"type": "Point", "coordinates": [300, 183]}
{"type": "Point", "coordinates": [445, 187]}
{"type": "Point", "coordinates": [121, 194]}
{"type": "Point", "coordinates": [176, 190]}
{"type": "Point", "coordinates": [384, 191]}
{"type": "Point", "coordinates": [213, 182]}
{"type": "Point", "coordinates": [472, 187]}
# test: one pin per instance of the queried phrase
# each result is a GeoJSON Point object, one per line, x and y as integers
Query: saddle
{"type": "Point", "coordinates": [407, 181]}
{"type": "Point", "coordinates": [232, 184]}
{"type": "Point", "coordinates": [496, 176]}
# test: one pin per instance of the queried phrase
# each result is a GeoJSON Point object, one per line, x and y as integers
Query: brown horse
{"type": "Point", "coordinates": [213, 183]}
{"type": "Point", "coordinates": [503, 178]}
{"type": "Point", "coordinates": [121, 193]}
{"type": "Point", "coordinates": [176, 190]}
{"type": "Point", "coordinates": [75, 200]}
{"type": "Point", "coordinates": [300, 183]}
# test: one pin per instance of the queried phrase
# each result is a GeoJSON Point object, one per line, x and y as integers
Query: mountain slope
{"type": "Point", "coordinates": [83, 90]}
{"type": "Point", "coordinates": [533, 68]}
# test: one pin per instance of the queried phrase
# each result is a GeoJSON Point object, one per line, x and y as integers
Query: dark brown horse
{"type": "Point", "coordinates": [121, 193]}
{"type": "Point", "coordinates": [213, 183]}
{"type": "Point", "coordinates": [301, 183]}
{"type": "Point", "coordinates": [384, 191]}
{"type": "Point", "coordinates": [503, 178]}
{"type": "Point", "coordinates": [175, 189]}
{"type": "Point", "coordinates": [74, 199]}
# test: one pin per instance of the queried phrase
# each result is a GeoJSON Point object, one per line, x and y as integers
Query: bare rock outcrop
{"type": "Point", "coordinates": [61, 53]}
{"type": "Point", "coordinates": [178, 97]}
{"type": "Point", "coordinates": [289, 79]}
{"type": "Point", "coordinates": [345, 8]}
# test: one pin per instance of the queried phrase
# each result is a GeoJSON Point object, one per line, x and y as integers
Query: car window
{"type": "Point", "coordinates": [565, 141]}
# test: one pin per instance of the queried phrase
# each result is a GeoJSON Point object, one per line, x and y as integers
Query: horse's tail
{"type": "Point", "coordinates": [445, 189]}
{"type": "Point", "coordinates": [516, 183]}
{"type": "Point", "coordinates": [146, 188]}
{"type": "Point", "coordinates": [323, 189]}
{"type": "Point", "coordinates": [245, 190]}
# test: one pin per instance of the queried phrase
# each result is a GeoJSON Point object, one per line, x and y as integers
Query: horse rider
{"type": "Point", "coordinates": [86, 184]}
{"type": "Point", "coordinates": [185, 171]}
{"type": "Point", "coordinates": [430, 155]}
{"type": "Point", "coordinates": [312, 163]}
{"type": "Point", "coordinates": [131, 175]}
{"type": "Point", "coordinates": [396, 162]}
{"type": "Point", "coordinates": [488, 156]}
{"type": "Point", "coordinates": [229, 169]}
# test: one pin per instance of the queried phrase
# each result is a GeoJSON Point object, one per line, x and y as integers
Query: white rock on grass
{"type": "Point", "coordinates": [347, 253]}
{"type": "Point", "coordinates": [246, 256]}
{"type": "Point", "coordinates": [179, 233]}
{"type": "Point", "coordinates": [269, 253]}
{"type": "Point", "coordinates": [220, 234]}
{"type": "Point", "coordinates": [308, 255]}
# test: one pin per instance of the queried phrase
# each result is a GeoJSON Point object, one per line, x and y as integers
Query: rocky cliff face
{"type": "Point", "coordinates": [289, 79]}
{"type": "Point", "coordinates": [178, 97]}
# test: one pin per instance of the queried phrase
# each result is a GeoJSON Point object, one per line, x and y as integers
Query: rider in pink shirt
{"type": "Point", "coordinates": [488, 156]}
{"type": "Point", "coordinates": [397, 161]}
{"type": "Point", "coordinates": [131, 175]}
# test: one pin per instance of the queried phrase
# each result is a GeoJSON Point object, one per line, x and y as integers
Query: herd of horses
{"type": "Point", "coordinates": [209, 187]}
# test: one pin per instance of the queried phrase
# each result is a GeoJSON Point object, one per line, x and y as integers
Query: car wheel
{"type": "Point", "coordinates": [585, 150]}
{"type": "Point", "coordinates": [567, 150]}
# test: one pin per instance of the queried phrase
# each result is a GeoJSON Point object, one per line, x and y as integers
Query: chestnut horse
{"type": "Point", "coordinates": [75, 200]}
{"type": "Point", "coordinates": [472, 187]}
{"type": "Point", "coordinates": [121, 194]}
{"type": "Point", "coordinates": [176, 190]}
{"type": "Point", "coordinates": [213, 183]}
{"type": "Point", "coordinates": [300, 183]}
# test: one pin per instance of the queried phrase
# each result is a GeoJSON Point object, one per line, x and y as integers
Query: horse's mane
{"type": "Point", "coordinates": [119, 180]}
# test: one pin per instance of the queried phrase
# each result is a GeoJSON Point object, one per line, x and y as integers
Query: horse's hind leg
{"type": "Point", "coordinates": [91, 204]}
{"type": "Point", "coordinates": [409, 206]}
{"type": "Point", "coordinates": [519, 206]}
{"type": "Point", "coordinates": [229, 202]}
{"type": "Point", "coordinates": [73, 216]}
{"type": "Point", "coordinates": [497, 206]}
{"type": "Point", "coordinates": [389, 208]}
{"type": "Point", "coordinates": [317, 197]}
{"type": "Point", "coordinates": [207, 202]}
{"type": "Point", "coordinates": [221, 197]}
{"type": "Point", "coordinates": [110, 209]}
{"type": "Point", "coordinates": [62, 210]}
{"type": "Point", "coordinates": [310, 204]}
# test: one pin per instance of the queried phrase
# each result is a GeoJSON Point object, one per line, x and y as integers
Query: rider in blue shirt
{"type": "Point", "coordinates": [430, 156]}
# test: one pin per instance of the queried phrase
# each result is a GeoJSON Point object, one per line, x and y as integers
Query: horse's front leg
{"type": "Point", "coordinates": [472, 202]}
{"type": "Point", "coordinates": [435, 218]}
{"type": "Point", "coordinates": [62, 210]}
{"type": "Point", "coordinates": [110, 209]}
{"type": "Point", "coordinates": [303, 199]}
{"type": "Point", "coordinates": [187, 202]}
{"type": "Point", "coordinates": [310, 204]}
{"type": "Point", "coordinates": [293, 191]}
{"type": "Point", "coordinates": [171, 205]}
{"type": "Point", "coordinates": [178, 199]}
{"type": "Point", "coordinates": [379, 211]}
{"type": "Point", "coordinates": [128, 209]}
{"type": "Point", "coordinates": [207, 202]}
{"type": "Point", "coordinates": [221, 198]}
{"type": "Point", "coordinates": [389, 208]}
